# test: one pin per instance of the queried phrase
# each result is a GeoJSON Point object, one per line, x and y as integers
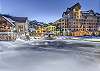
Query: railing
{"type": "Point", "coordinates": [6, 33]}
{"type": "Point", "coordinates": [7, 36]}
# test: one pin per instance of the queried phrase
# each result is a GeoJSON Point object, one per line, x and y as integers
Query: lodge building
{"type": "Point", "coordinates": [79, 23]}
{"type": "Point", "coordinates": [6, 28]}
{"type": "Point", "coordinates": [11, 27]}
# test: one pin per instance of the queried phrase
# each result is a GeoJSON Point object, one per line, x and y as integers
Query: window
{"type": "Point", "coordinates": [63, 20]}
{"type": "Point", "coordinates": [20, 28]}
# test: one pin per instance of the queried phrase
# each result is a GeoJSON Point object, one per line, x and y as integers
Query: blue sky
{"type": "Point", "coordinates": [44, 10]}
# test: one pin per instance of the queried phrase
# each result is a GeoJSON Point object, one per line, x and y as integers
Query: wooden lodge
{"type": "Point", "coordinates": [6, 29]}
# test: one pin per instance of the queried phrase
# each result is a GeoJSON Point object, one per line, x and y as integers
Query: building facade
{"type": "Point", "coordinates": [13, 26]}
{"type": "Point", "coordinates": [80, 23]}
{"type": "Point", "coordinates": [6, 29]}
{"type": "Point", "coordinates": [61, 27]}
{"type": "Point", "coordinates": [40, 31]}
{"type": "Point", "coordinates": [51, 28]}
{"type": "Point", "coordinates": [21, 25]}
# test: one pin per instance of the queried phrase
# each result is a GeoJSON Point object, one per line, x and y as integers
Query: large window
{"type": "Point", "coordinates": [20, 28]}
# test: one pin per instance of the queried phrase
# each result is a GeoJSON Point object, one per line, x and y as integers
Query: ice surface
{"type": "Point", "coordinates": [48, 59]}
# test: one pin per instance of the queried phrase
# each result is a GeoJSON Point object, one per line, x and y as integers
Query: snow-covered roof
{"type": "Point", "coordinates": [14, 18]}
{"type": "Point", "coordinates": [10, 20]}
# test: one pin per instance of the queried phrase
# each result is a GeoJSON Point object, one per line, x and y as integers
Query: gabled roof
{"type": "Point", "coordinates": [16, 19]}
{"type": "Point", "coordinates": [19, 19]}
{"type": "Point", "coordinates": [9, 20]}
{"type": "Point", "coordinates": [97, 14]}
{"type": "Point", "coordinates": [90, 13]}
{"type": "Point", "coordinates": [77, 4]}
{"type": "Point", "coordinates": [71, 8]}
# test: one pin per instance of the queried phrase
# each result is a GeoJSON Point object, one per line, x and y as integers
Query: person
{"type": "Point", "coordinates": [27, 37]}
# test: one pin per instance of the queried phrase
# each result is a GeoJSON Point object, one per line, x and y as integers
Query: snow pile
{"type": "Point", "coordinates": [61, 37]}
{"type": "Point", "coordinates": [93, 39]}
{"type": "Point", "coordinates": [4, 45]}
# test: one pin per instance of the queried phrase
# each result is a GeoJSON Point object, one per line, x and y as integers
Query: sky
{"type": "Point", "coordinates": [44, 10]}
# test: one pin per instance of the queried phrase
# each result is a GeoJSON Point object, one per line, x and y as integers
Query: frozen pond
{"type": "Point", "coordinates": [49, 56]}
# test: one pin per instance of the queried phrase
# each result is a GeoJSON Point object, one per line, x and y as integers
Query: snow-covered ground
{"type": "Point", "coordinates": [50, 55]}
{"type": "Point", "coordinates": [30, 60]}
{"type": "Point", "coordinates": [93, 39]}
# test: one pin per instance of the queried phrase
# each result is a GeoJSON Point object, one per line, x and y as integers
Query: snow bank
{"type": "Point", "coordinates": [11, 44]}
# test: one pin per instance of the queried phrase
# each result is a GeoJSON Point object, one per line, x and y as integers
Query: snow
{"type": "Point", "coordinates": [50, 59]}
{"type": "Point", "coordinates": [10, 20]}
{"type": "Point", "coordinates": [93, 39]}
{"type": "Point", "coordinates": [5, 45]}
{"type": "Point", "coordinates": [30, 60]}
{"type": "Point", "coordinates": [22, 43]}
